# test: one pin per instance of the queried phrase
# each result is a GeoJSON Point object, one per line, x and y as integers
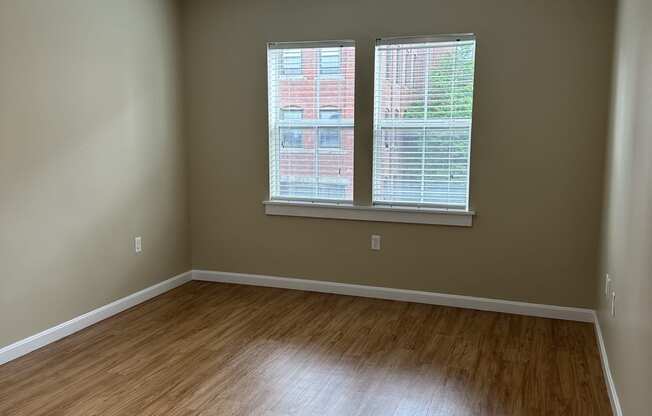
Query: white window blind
{"type": "Point", "coordinates": [422, 121]}
{"type": "Point", "coordinates": [310, 104]}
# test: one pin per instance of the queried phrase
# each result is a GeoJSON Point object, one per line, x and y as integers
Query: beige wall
{"type": "Point", "coordinates": [91, 152]}
{"type": "Point", "coordinates": [543, 75]}
{"type": "Point", "coordinates": [627, 240]}
{"type": "Point", "coordinates": [90, 156]}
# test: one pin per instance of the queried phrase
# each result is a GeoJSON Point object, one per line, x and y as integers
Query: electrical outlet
{"type": "Point", "coordinates": [613, 303]}
{"type": "Point", "coordinates": [375, 242]}
{"type": "Point", "coordinates": [607, 285]}
{"type": "Point", "coordinates": [138, 244]}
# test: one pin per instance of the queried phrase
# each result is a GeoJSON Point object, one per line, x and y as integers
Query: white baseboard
{"type": "Point", "coordinates": [611, 386]}
{"type": "Point", "coordinates": [27, 345]}
{"type": "Point", "coordinates": [458, 301]}
{"type": "Point", "coordinates": [34, 342]}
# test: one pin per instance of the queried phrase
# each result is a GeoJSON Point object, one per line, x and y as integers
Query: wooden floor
{"type": "Point", "coordinates": [217, 349]}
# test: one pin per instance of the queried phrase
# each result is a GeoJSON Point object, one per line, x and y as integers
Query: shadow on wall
{"type": "Point", "coordinates": [89, 155]}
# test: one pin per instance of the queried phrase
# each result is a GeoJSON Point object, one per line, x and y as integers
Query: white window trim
{"type": "Point", "coordinates": [380, 213]}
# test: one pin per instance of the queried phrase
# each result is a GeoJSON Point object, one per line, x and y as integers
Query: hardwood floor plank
{"type": "Point", "coordinates": [218, 349]}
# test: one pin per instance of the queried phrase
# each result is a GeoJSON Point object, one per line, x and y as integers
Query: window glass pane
{"type": "Point", "coordinates": [422, 123]}
{"type": "Point", "coordinates": [330, 114]}
{"type": "Point", "coordinates": [292, 138]}
{"type": "Point", "coordinates": [291, 62]}
{"type": "Point", "coordinates": [291, 114]}
{"type": "Point", "coordinates": [311, 123]}
{"type": "Point", "coordinates": [330, 137]}
{"type": "Point", "coordinates": [330, 60]}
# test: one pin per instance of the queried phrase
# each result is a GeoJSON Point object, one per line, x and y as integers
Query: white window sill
{"type": "Point", "coordinates": [343, 211]}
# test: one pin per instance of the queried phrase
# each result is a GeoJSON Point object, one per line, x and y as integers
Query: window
{"type": "Point", "coordinates": [291, 62]}
{"type": "Point", "coordinates": [291, 114]}
{"type": "Point", "coordinates": [291, 137]}
{"type": "Point", "coordinates": [422, 144]}
{"type": "Point", "coordinates": [312, 114]}
{"type": "Point", "coordinates": [330, 61]}
{"type": "Point", "coordinates": [330, 137]}
{"type": "Point", "coordinates": [330, 114]}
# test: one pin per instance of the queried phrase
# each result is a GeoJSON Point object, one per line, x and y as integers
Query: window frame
{"type": "Point", "coordinates": [296, 74]}
{"type": "Point", "coordinates": [395, 122]}
{"type": "Point", "coordinates": [339, 73]}
{"type": "Point", "coordinates": [352, 209]}
{"type": "Point", "coordinates": [277, 123]}
{"type": "Point", "coordinates": [336, 130]}
{"type": "Point", "coordinates": [287, 129]}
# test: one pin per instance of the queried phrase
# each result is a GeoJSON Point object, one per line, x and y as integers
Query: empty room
{"type": "Point", "coordinates": [337, 208]}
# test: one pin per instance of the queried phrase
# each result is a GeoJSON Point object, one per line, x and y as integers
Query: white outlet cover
{"type": "Point", "coordinates": [138, 244]}
{"type": "Point", "coordinates": [375, 242]}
